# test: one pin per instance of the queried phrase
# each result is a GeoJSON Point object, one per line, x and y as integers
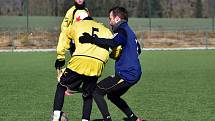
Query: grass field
{"type": "Point", "coordinates": [175, 86]}
{"type": "Point", "coordinates": [51, 23]}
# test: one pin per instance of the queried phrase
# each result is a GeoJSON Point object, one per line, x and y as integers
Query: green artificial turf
{"type": "Point", "coordinates": [175, 86]}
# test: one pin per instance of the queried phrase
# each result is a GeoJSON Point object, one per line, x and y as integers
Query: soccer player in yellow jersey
{"type": "Point", "coordinates": [85, 65]}
{"type": "Point", "coordinates": [74, 14]}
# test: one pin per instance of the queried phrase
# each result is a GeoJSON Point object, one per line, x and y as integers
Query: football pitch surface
{"type": "Point", "coordinates": [175, 86]}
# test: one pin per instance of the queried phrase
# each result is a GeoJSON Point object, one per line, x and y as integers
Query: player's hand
{"type": "Point", "coordinates": [86, 38]}
{"type": "Point", "coordinates": [59, 63]}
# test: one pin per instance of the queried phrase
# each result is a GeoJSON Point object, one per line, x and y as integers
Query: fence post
{"type": "Point", "coordinates": [26, 11]}
{"type": "Point", "coordinates": [12, 42]}
{"type": "Point", "coordinates": [27, 17]}
{"type": "Point", "coordinates": [206, 40]}
{"type": "Point", "coordinates": [142, 39]}
{"type": "Point", "coordinates": [213, 13]}
{"type": "Point", "coordinates": [150, 14]}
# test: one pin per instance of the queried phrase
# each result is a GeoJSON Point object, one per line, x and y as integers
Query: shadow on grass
{"type": "Point", "coordinates": [97, 120]}
{"type": "Point", "coordinates": [127, 119]}
{"type": "Point", "coordinates": [124, 119]}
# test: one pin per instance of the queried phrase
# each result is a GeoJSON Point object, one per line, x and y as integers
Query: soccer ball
{"type": "Point", "coordinates": [64, 117]}
{"type": "Point", "coordinates": [116, 52]}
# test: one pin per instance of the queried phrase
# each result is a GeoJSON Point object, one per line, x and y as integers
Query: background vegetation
{"type": "Point", "coordinates": [136, 8]}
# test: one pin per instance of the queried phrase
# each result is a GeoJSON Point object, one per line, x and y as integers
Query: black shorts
{"type": "Point", "coordinates": [73, 81]}
{"type": "Point", "coordinates": [113, 85]}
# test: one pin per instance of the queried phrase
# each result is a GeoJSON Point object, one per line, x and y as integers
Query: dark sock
{"type": "Point", "coordinates": [123, 106]}
{"type": "Point", "coordinates": [108, 118]}
{"type": "Point", "coordinates": [87, 107]}
{"type": "Point", "coordinates": [132, 117]}
{"type": "Point", "coordinates": [102, 105]}
{"type": "Point", "coordinates": [59, 97]}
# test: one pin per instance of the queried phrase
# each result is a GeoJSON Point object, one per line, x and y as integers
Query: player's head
{"type": "Point", "coordinates": [117, 14]}
{"type": "Point", "coordinates": [79, 2]}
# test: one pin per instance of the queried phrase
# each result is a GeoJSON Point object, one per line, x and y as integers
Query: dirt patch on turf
{"type": "Point", "coordinates": [46, 40]}
{"type": "Point", "coordinates": [176, 39]}
{"type": "Point", "coordinates": [31, 40]}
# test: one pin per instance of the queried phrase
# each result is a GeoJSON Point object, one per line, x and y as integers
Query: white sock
{"type": "Point", "coordinates": [85, 120]}
{"type": "Point", "coordinates": [56, 114]}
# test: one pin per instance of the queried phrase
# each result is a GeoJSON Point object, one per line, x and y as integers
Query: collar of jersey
{"type": "Point", "coordinates": [116, 26]}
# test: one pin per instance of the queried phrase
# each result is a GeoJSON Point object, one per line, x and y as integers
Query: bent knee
{"type": "Point", "coordinates": [99, 91]}
{"type": "Point", "coordinates": [112, 97]}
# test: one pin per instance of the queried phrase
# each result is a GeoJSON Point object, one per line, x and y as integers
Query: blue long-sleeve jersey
{"type": "Point", "coordinates": [127, 66]}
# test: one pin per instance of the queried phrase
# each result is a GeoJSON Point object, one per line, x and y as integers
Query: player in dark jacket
{"type": "Point", "coordinates": [127, 66]}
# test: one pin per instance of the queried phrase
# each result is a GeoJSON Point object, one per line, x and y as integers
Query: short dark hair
{"type": "Point", "coordinates": [119, 11]}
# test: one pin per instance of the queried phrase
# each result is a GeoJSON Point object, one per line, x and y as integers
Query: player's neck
{"type": "Point", "coordinates": [82, 6]}
{"type": "Point", "coordinates": [115, 27]}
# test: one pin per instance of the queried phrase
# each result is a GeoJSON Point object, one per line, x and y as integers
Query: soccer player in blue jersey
{"type": "Point", "coordinates": [127, 66]}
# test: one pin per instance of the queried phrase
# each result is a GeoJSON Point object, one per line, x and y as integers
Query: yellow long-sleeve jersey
{"type": "Point", "coordinates": [73, 15]}
{"type": "Point", "coordinates": [88, 59]}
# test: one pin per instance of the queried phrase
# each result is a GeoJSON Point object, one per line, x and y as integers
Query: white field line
{"type": "Point", "coordinates": [147, 49]}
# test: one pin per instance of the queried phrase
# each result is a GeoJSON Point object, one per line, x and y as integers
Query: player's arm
{"type": "Point", "coordinates": [61, 50]}
{"type": "Point", "coordinates": [67, 19]}
{"type": "Point", "coordinates": [70, 32]}
{"type": "Point", "coordinates": [118, 39]}
{"type": "Point", "coordinates": [61, 46]}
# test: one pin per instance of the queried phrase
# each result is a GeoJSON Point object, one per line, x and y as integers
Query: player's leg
{"type": "Point", "coordinates": [114, 95]}
{"type": "Point", "coordinates": [70, 90]}
{"type": "Point", "coordinates": [101, 90]}
{"type": "Point", "coordinates": [88, 87]}
{"type": "Point", "coordinates": [59, 97]}
{"type": "Point", "coordinates": [68, 78]}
